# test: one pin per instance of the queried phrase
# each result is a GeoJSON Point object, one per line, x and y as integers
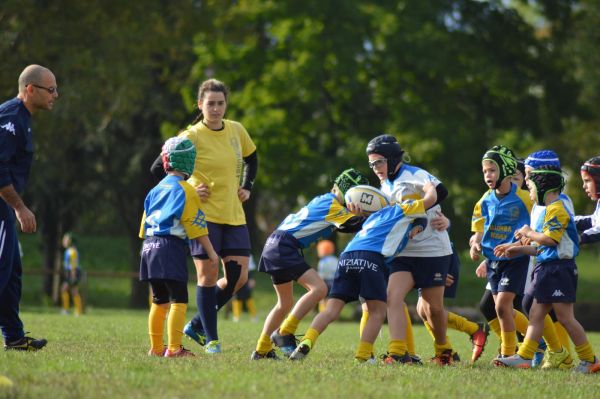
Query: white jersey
{"type": "Point", "coordinates": [408, 184]}
{"type": "Point", "coordinates": [327, 267]}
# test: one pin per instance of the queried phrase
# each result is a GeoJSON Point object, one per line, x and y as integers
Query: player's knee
{"type": "Point", "coordinates": [320, 289]}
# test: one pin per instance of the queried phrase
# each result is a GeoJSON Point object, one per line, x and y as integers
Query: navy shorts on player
{"type": "Point", "coordinates": [426, 271]}
{"type": "Point", "coordinates": [507, 275]}
{"type": "Point", "coordinates": [67, 277]}
{"type": "Point", "coordinates": [164, 258]}
{"type": "Point", "coordinates": [360, 273]}
{"type": "Point", "coordinates": [454, 271]}
{"type": "Point", "coordinates": [282, 258]}
{"type": "Point", "coordinates": [554, 281]}
{"type": "Point", "coordinates": [227, 240]}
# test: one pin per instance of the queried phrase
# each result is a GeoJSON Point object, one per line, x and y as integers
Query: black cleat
{"type": "Point", "coordinates": [26, 344]}
{"type": "Point", "coordinates": [270, 355]}
{"type": "Point", "coordinates": [287, 343]}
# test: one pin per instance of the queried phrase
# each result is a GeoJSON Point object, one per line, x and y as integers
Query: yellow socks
{"type": "Point", "coordinates": [363, 322]}
{"type": "Point", "coordinates": [77, 304]}
{"type": "Point", "coordinates": [521, 322]}
{"type": "Point", "coordinates": [65, 300]}
{"type": "Point", "coordinates": [429, 329]}
{"type": "Point", "coordinates": [156, 326]}
{"type": "Point", "coordinates": [364, 351]}
{"type": "Point", "coordinates": [528, 348]}
{"type": "Point", "coordinates": [462, 324]}
{"type": "Point", "coordinates": [264, 344]}
{"type": "Point", "coordinates": [311, 335]}
{"type": "Point", "coordinates": [563, 337]}
{"type": "Point", "coordinates": [251, 307]}
{"type": "Point", "coordinates": [509, 343]}
{"type": "Point", "coordinates": [495, 327]}
{"type": "Point", "coordinates": [585, 352]}
{"type": "Point", "coordinates": [289, 325]}
{"type": "Point", "coordinates": [410, 338]}
{"type": "Point", "coordinates": [439, 348]}
{"type": "Point", "coordinates": [397, 347]}
{"type": "Point", "coordinates": [550, 336]}
{"type": "Point", "coordinates": [236, 309]}
{"type": "Point", "coordinates": [175, 325]}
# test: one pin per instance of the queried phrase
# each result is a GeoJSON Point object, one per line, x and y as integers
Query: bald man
{"type": "Point", "coordinates": [37, 91]}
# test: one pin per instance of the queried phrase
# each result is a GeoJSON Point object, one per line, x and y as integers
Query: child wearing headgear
{"type": "Point", "coordinates": [555, 243]}
{"type": "Point", "coordinates": [589, 226]}
{"type": "Point", "coordinates": [172, 217]}
{"type": "Point", "coordinates": [362, 270]}
{"type": "Point", "coordinates": [502, 210]}
{"type": "Point", "coordinates": [71, 275]}
{"type": "Point", "coordinates": [283, 259]}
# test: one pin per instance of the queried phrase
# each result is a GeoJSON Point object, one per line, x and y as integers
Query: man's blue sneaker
{"type": "Point", "coordinates": [199, 337]}
{"type": "Point", "coordinates": [213, 347]}
{"type": "Point", "coordinates": [538, 356]}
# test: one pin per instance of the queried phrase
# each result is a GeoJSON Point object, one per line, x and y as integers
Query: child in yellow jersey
{"type": "Point", "coordinates": [172, 217]}
{"type": "Point", "coordinates": [72, 275]}
{"type": "Point", "coordinates": [555, 243]}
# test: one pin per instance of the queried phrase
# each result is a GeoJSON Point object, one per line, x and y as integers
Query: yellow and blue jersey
{"type": "Point", "coordinates": [558, 223]}
{"type": "Point", "coordinates": [71, 259]}
{"type": "Point", "coordinates": [316, 220]}
{"type": "Point", "coordinates": [499, 218]}
{"type": "Point", "coordinates": [386, 231]}
{"type": "Point", "coordinates": [172, 208]}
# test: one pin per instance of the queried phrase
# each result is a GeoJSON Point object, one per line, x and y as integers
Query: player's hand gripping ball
{"type": "Point", "coordinates": [369, 199]}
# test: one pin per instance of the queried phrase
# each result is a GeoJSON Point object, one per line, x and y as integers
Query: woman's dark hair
{"type": "Point", "coordinates": [210, 85]}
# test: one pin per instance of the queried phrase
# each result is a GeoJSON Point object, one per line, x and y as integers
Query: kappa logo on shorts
{"type": "Point", "coordinates": [504, 281]}
{"type": "Point", "coordinates": [557, 293]}
{"type": "Point", "coordinates": [437, 277]}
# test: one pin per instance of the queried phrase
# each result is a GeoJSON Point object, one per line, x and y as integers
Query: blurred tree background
{"type": "Point", "coordinates": [312, 81]}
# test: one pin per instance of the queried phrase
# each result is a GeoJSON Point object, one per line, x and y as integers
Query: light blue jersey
{"type": "Point", "coordinates": [499, 218]}
{"type": "Point", "coordinates": [173, 208]}
{"type": "Point", "coordinates": [386, 231]}
{"type": "Point", "coordinates": [557, 223]}
{"type": "Point", "coordinates": [316, 220]}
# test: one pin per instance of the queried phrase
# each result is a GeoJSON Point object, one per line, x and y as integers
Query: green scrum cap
{"type": "Point", "coordinates": [179, 154]}
{"type": "Point", "coordinates": [350, 178]}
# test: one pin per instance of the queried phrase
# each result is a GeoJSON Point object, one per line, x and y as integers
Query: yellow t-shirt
{"type": "Point", "coordinates": [219, 163]}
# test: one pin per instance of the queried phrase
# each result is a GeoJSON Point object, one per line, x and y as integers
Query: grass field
{"type": "Point", "coordinates": [103, 355]}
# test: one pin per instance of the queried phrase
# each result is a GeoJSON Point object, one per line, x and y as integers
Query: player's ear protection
{"type": "Point", "coordinates": [504, 159]}
{"type": "Point", "coordinates": [592, 167]}
{"type": "Point", "coordinates": [546, 180]}
{"type": "Point", "coordinates": [179, 154]}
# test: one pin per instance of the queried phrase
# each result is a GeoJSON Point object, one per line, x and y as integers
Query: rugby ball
{"type": "Point", "coordinates": [368, 198]}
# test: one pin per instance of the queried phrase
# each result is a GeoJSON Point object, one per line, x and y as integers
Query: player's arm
{"type": "Point", "coordinates": [540, 238]}
{"type": "Point", "coordinates": [441, 193]}
{"type": "Point", "coordinates": [210, 251]}
{"type": "Point", "coordinates": [25, 217]}
{"type": "Point", "coordinates": [352, 225]}
{"type": "Point", "coordinates": [588, 233]}
{"type": "Point", "coordinates": [419, 224]}
{"type": "Point", "coordinates": [431, 195]}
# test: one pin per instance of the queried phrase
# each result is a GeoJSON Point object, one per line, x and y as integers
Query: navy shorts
{"type": "Point", "coordinates": [555, 281]}
{"type": "Point", "coordinates": [360, 273]}
{"type": "Point", "coordinates": [426, 271]}
{"type": "Point", "coordinates": [454, 271]}
{"type": "Point", "coordinates": [281, 251]}
{"type": "Point", "coordinates": [67, 277]}
{"type": "Point", "coordinates": [164, 258]}
{"type": "Point", "coordinates": [227, 240]}
{"type": "Point", "coordinates": [283, 276]}
{"type": "Point", "coordinates": [507, 275]}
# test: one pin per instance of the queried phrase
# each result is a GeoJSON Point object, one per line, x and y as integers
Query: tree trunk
{"type": "Point", "coordinates": [49, 224]}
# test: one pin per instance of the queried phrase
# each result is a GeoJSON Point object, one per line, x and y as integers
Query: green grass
{"type": "Point", "coordinates": [103, 355]}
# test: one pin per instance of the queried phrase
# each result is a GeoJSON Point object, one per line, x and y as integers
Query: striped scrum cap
{"type": "Point", "coordinates": [541, 158]}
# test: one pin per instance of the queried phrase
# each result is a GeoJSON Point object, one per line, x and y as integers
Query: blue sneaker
{"type": "Point", "coordinates": [213, 347]}
{"type": "Point", "coordinates": [286, 343]}
{"type": "Point", "coordinates": [197, 336]}
{"type": "Point", "coordinates": [538, 356]}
